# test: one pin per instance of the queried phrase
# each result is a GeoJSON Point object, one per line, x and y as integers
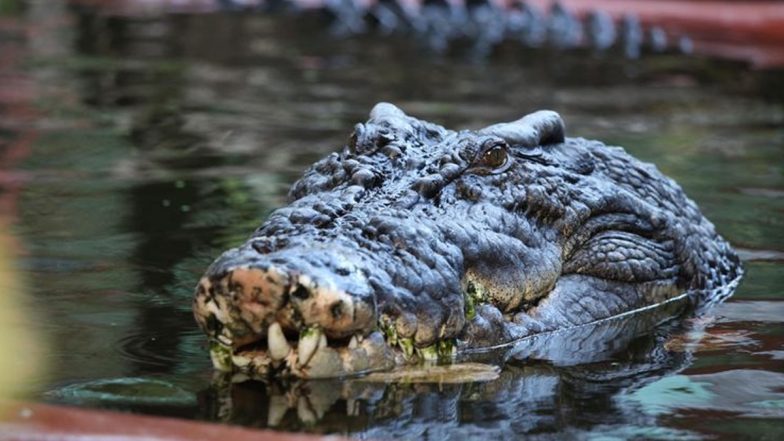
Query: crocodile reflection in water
{"type": "Point", "coordinates": [530, 396]}
{"type": "Point", "coordinates": [418, 243]}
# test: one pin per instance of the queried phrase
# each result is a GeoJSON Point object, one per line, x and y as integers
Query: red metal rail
{"type": "Point", "coordinates": [751, 30]}
{"type": "Point", "coordinates": [34, 422]}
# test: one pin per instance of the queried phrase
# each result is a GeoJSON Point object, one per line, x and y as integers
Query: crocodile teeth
{"type": "Point", "coordinates": [353, 343]}
{"type": "Point", "coordinates": [307, 345]}
{"type": "Point", "coordinates": [224, 340]}
{"type": "Point", "coordinates": [276, 342]}
{"type": "Point", "coordinates": [240, 361]}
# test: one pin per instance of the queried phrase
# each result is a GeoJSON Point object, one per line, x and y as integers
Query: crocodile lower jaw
{"type": "Point", "coordinates": [313, 355]}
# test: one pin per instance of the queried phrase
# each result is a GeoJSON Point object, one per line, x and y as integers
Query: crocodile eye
{"type": "Point", "coordinates": [493, 158]}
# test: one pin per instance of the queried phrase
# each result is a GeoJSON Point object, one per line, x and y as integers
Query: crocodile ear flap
{"type": "Point", "coordinates": [538, 128]}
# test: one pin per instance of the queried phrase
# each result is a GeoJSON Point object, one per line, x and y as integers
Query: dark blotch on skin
{"type": "Point", "coordinates": [214, 326]}
{"type": "Point", "coordinates": [336, 310]}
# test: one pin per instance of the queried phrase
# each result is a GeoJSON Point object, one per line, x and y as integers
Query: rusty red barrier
{"type": "Point", "coordinates": [751, 30]}
{"type": "Point", "coordinates": [34, 422]}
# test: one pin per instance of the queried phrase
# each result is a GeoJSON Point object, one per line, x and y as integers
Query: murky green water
{"type": "Point", "coordinates": [134, 150]}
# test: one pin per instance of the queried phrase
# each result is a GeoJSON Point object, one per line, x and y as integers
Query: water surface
{"type": "Point", "coordinates": [134, 150]}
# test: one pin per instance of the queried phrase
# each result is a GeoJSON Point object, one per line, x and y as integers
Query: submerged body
{"type": "Point", "coordinates": [418, 243]}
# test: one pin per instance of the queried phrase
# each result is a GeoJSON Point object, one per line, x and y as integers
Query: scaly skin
{"type": "Point", "coordinates": [417, 243]}
{"type": "Point", "coordinates": [488, 23]}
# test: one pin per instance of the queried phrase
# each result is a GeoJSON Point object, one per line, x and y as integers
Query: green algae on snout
{"type": "Point", "coordinates": [443, 350]}
{"type": "Point", "coordinates": [387, 327]}
{"type": "Point", "coordinates": [407, 346]}
{"type": "Point", "coordinates": [428, 353]}
{"type": "Point", "coordinates": [447, 349]}
{"type": "Point", "coordinates": [221, 357]}
{"type": "Point", "coordinates": [474, 294]}
{"type": "Point", "coordinates": [308, 332]}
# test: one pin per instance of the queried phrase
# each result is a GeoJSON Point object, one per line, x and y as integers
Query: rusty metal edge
{"type": "Point", "coordinates": [44, 422]}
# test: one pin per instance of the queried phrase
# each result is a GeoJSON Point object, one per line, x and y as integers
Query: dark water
{"type": "Point", "coordinates": [134, 150]}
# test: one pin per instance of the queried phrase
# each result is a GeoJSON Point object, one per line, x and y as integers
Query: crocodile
{"type": "Point", "coordinates": [475, 28]}
{"type": "Point", "coordinates": [416, 244]}
{"type": "Point", "coordinates": [483, 24]}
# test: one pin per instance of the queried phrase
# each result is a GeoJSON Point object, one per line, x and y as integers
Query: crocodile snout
{"type": "Point", "coordinates": [287, 310]}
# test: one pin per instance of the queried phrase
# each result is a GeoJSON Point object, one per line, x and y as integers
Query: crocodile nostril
{"type": "Point", "coordinates": [336, 310]}
{"type": "Point", "coordinates": [214, 326]}
{"type": "Point", "coordinates": [301, 292]}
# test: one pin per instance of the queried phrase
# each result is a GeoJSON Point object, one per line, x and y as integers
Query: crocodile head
{"type": "Point", "coordinates": [416, 243]}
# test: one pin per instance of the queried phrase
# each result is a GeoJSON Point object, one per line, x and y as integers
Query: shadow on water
{"type": "Point", "coordinates": [133, 150]}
